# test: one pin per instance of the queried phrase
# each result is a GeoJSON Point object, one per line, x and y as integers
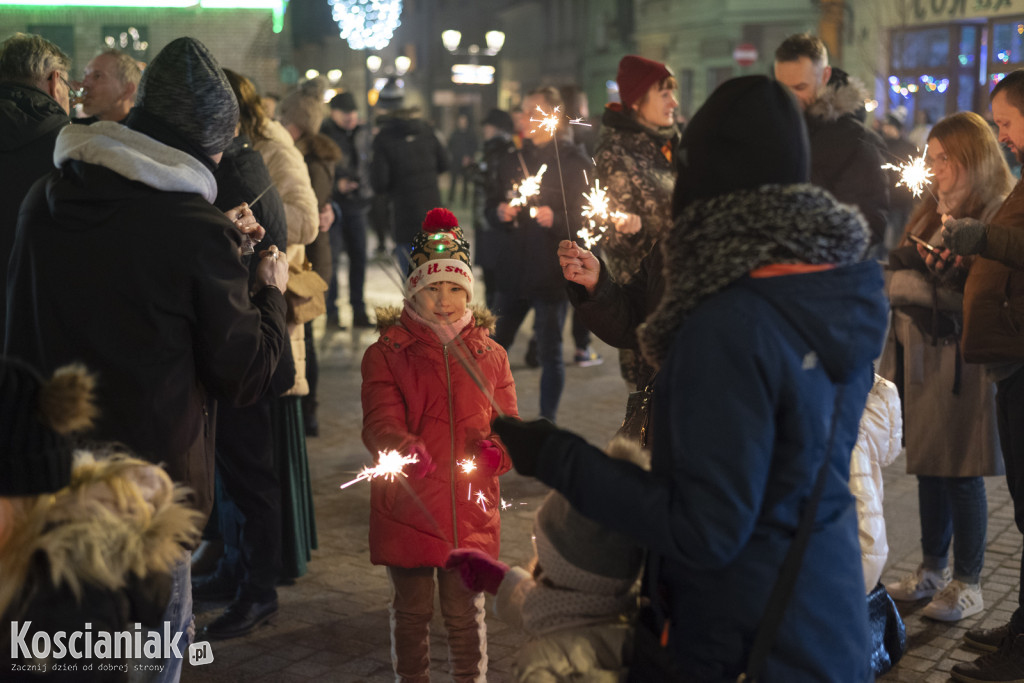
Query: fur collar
{"type": "Point", "coordinates": [839, 99]}
{"type": "Point", "coordinates": [136, 157]}
{"type": "Point", "coordinates": [118, 516]}
{"type": "Point", "coordinates": [319, 146]}
{"type": "Point", "coordinates": [726, 237]}
{"type": "Point", "coordinates": [390, 316]}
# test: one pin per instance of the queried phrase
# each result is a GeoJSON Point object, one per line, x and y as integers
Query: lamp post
{"type": "Point", "coordinates": [473, 73]}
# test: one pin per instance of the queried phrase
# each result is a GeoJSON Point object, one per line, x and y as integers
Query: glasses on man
{"type": "Point", "coordinates": [74, 94]}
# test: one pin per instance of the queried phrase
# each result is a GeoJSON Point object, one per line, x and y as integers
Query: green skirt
{"type": "Point", "coordinates": [298, 519]}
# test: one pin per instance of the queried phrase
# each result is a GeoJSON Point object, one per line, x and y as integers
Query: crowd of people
{"type": "Point", "coordinates": [785, 325]}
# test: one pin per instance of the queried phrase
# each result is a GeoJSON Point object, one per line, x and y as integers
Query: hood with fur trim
{"type": "Point", "coordinates": [843, 96]}
{"type": "Point", "coordinates": [389, 316]}
{"type": "Point", "coordinates": [118, 517]}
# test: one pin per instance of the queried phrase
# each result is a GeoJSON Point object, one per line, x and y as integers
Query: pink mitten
{"type": "Point", "coordinates": [490, 455]}
{"type": "Point", "coordinates": [424, 464]}
{"type": "Point", "coordinates": [476, 569]}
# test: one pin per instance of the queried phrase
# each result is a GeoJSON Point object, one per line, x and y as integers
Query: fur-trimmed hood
{"type": "Point", "coordinates": [725, 238]}
{"type": "Point", "coordinates": [320, 147]}
{"type": "Point", "coordinates": [118, 517]}
{"type": "Point", "coordinates": [389, 316]}
{"type": "Point", "coordinates": [843, 96]}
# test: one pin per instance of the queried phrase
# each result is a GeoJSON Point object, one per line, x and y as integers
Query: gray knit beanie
{"type": "Point", "coordinates": [584, 543]}
{"type": "Point", "coordinates": [185, 87]}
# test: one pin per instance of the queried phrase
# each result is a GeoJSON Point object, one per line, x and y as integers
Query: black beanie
{"type": "Point", "coordinates": [35, 456]}
{"type": "Point", "coordinates": [185, 88]}
{"type": "Point", "coordinates": [749, 133]}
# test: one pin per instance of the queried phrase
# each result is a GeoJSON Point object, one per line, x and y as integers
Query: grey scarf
{"type": "Point", "coordinates": [718, 241]}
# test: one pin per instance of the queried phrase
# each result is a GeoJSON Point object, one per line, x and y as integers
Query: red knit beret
{"type": "Point", "coordinates": [636, 76]}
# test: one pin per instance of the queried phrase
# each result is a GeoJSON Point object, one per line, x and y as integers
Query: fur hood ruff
{"type": "Point", "coordinates": [839, 99]}
{"type": "Point", "coordinates": [118, 516]}
{"type": "Point", "coordinates": [135, 156]}
{"type": "Point", "coordinates": [389, 316]}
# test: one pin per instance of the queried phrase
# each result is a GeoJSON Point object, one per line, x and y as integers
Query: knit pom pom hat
{"type": "Point", "coordinates": [440, 253]}
{"type": "Point", "coordinates": [36, 415]}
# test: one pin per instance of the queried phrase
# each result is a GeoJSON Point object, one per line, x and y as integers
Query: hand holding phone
{"type": "Point", "coordinates": [937, 251]}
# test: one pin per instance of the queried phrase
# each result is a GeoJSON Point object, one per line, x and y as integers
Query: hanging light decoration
{"type": "Point", "coordinates": [367, 24]}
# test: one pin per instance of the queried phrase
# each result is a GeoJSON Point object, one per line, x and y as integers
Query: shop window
{"type": "Point", "coordinates": [1007, 45]}
{"type": "Point", "coordinates": [920, 49]}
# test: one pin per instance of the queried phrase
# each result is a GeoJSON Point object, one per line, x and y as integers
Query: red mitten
{"type": "Point", "coordinates": [476, 569]}
{"type": "Point", "coordinates": [424, 464]}
{"type": "Point", "coordinates": [490, 456]}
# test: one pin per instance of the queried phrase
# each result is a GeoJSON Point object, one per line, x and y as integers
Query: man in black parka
{"type": "Point", "coordinates": [33, 108]}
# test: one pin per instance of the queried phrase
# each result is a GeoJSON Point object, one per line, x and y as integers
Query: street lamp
{"type": "Point", "coordinates": [473, 73]}
{"type": "Point", "coordinates": [373, 63]}
{"type": "Point", "coordinates": [402, 64]}
{"type": "Point", "coordinates": [451, 38]}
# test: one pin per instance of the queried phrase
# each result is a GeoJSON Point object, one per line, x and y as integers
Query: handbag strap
{"type": "Point", "coordinates": [783, 588]}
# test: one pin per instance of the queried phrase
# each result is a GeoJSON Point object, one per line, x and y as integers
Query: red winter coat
{"type": "Point", "coordinates": [415, 389]}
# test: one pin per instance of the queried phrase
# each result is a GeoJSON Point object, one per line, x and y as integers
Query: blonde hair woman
{"type": "Point", "coordinates": [950, 424]}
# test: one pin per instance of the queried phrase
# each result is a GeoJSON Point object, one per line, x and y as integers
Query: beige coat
{"type": "Point", "coordinates": [288, 170]}
{"type": "Point", "coordinates": [946, 434]}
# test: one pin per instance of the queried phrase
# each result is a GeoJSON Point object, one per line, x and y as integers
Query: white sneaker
{"type": "Point", "coordinates": [922, 583]}
{"type": "Point", "coordinates": [956, 601]}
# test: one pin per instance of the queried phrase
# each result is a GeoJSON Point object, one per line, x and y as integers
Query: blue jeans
{"type": "Point", "coordinates": [953, 508]}
{"type": "Point", "coordinates": [179, 615]}
{"type": "Point", "coordinates": [548, 321]}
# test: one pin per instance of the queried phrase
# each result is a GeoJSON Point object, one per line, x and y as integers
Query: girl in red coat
{"type": "Point", "coordinates": [421, 397]}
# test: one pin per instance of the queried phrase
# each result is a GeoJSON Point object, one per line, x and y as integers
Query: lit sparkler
{"type": "Point", "coordinates": [530, 187]}
{"type": "Point", "coordinates": [549, 122]}
{"type": "Point", "coordinates": [914, 174]}
{"type": "Point", "coordinates": [467, 465]}
{"type": "Point", "coordinates": [481, 500]}
{"type": "Point", "coordinates": [596, 207]}
{"type": "Point", "coordinates": [390, 465]}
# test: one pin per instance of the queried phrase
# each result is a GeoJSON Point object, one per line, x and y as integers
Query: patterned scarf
{"type": "Point", "coordinates": [717, 241]}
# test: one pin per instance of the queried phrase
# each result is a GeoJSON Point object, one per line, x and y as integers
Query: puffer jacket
{"type": "Point", "coordinates": [846, 157]}
{"type": "Point", "coordinates": [636, 164]}
{"type": "Point", "coordinates": [416, 390]}
{"type": "Point", "coordinates": [878, 444]}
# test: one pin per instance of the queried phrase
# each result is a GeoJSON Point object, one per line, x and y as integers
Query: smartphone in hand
{"type": "Point", "coordinates": [937, 251]}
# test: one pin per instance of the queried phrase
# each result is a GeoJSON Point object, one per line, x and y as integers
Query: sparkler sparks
{"type": "Point", "coordinates": [596, 207]}
{"type": "Point", "coordinates": [530, 187]}
{"type": "Point", "coordinates": [467, 465]}
{"type": "Point", "coordinates": [549, 122]}
{"type": "Point", "coordinates": [481, 500]}
{"type": "Point", "coordinates": [914, 174]}
{"type": "Point", "coordinates": [390, 465]}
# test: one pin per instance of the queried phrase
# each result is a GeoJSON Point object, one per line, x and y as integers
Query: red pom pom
{"type": "Point", "coordinates": [439, 219]}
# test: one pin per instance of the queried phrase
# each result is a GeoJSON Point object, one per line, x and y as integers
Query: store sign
{"type": "Point", "coordinates": [472, 74]}
{"type": "Point", "coordinates": [944, 10]}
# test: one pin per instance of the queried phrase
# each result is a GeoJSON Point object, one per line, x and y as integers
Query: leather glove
{"type": "Point", "coordinates": [476, 569]}
{"type": "Point", "coordinates": [964, 236]}
{"type": "Point", "coordinates": [424, 464]}
{"type": "Point", "coordinates": [490, 456]}
{"type": "Point", "coordinates": [523, 441]}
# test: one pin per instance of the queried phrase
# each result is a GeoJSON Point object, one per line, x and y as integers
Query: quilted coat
{"type": "Point", "coordinates": [417, 390]}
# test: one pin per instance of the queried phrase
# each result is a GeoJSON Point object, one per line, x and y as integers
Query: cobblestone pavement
{"type": "Point", "coordinates": [333, 622]}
